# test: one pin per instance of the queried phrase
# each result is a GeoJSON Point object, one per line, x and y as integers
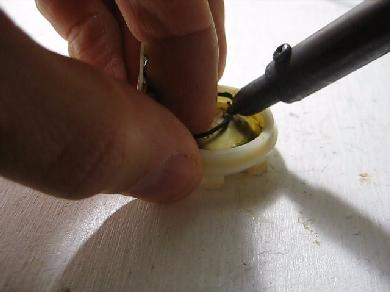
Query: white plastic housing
{"type": "Point", "coordinates": [249, 157]}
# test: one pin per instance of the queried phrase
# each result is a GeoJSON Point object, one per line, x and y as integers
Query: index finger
{"type": "Point", "coordinates": [182, 47]}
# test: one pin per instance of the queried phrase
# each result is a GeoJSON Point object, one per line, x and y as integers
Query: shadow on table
{"type": "Point", "coordinates": [205, 242]}
{"type": "Point", "coordinates": [334, 218]}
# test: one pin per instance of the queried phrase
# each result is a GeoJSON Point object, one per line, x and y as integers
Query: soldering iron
{"type": "Point", "coordinates": [350, 42]}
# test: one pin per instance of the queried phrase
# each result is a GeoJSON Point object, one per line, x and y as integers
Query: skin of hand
{"type": "Point", "coordinates": [73, 129]}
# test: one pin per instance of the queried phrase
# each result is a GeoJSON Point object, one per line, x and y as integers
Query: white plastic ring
{"type": "Point", "coordinates": [249, 157]}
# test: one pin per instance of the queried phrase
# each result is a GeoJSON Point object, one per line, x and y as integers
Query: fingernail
{"type": "Point", "coordinates": [173, 180]}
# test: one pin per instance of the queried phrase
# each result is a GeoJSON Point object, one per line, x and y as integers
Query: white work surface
{"type": "Point", "coordinates": [318, 220]}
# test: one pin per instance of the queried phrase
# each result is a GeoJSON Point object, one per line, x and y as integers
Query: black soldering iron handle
{"type": "Point", "coordinates": [343, 46]}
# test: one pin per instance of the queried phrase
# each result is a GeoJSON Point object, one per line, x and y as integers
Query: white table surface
{"type": "Point", "coordinates": [319, 220]}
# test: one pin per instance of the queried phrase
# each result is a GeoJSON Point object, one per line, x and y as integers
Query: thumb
{"type": "Point", "coordinates": [70, 131]}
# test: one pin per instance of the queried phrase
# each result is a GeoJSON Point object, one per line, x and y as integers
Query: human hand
{"type": "Point", "coordinates": [68, 130]}
{"type": "Point", "coordinates": [184, 41]}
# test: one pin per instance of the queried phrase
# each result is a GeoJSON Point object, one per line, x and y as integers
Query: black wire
{"type": "Point", "coordinates": [221, 126]}
{"type": "Point", "coordinates": [226, 94]}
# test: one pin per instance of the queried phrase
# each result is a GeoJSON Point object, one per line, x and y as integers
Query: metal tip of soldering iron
{"type": "Point", "coordinates": [253, 98]}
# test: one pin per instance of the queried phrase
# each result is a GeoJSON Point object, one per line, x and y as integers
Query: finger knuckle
{"type": "Point", "coordinates": [93, 41]}
{"type": "Point", "coordinates": [160, 19]}
{"type": "Point", "coordinates": [85, 33]}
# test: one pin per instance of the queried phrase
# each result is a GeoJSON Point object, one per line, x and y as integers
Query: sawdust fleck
{"type": "Point", "coordinates": [306, 222]}
{"type": "Point", "coordinates": [348, 216]}
{"type": "Point", "coordinates": [364, 177]}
